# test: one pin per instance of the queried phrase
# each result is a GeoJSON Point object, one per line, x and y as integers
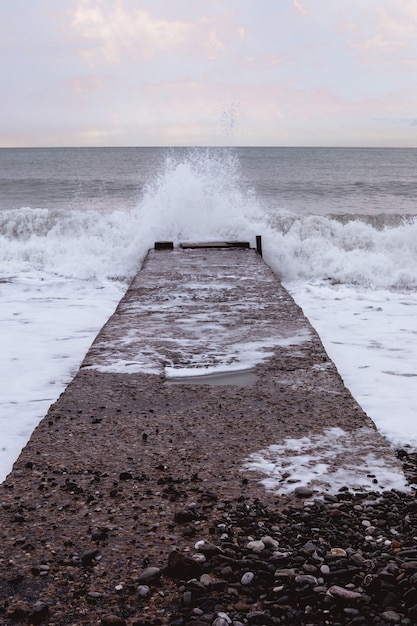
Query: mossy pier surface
{"type": "Point", "coordinates": [140, 456]}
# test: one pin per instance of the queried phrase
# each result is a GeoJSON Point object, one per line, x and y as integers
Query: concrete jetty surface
{"type": "Point", "coordinates": [206, 363]}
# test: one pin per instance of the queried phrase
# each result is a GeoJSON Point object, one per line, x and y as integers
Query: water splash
{"type": "Point", "coordinates": [201, 195]}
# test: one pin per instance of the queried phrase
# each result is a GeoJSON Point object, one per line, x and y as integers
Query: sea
{"type": "Point", "coordinates": [338, 227]}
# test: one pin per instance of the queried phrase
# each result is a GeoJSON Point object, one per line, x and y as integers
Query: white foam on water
{"type": "Point", "coordinates": [371, 337]}
{"type": "Point", "coordinates": [47, 327]}
{"type": "Point", "coordinates": [236, 357]}
{"type": "Point", "coordinates": [342, 251]}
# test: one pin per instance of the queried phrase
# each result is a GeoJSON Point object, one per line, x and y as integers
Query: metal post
{"type": "Point", "coordinates": [259, 245]}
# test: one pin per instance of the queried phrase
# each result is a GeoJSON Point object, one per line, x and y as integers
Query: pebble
{"type": "Point", "coordinates": [305, 579]}
{"type": "Point", "coordinates": [207, 548]}
{"type": "Point", "coordinates": [205, 580]}
{"type": "Point", "coordinates": [303, 492]}
{"type": "Point", "coordinates": [94, 595]}
{"type": "Point", "coordinates": [224, 616]}
{"type": "Point", "coordinates": [338, 552]}
{"type": "Point", "coordinates": [149, 574]}
{"type": "Point", "coordinates": [256, 546]}
{"type": "Point", "coordinates": [199, 557]}
{"type": "Point", "coordinates": [269, 542]}
{"type": "Point", "coordinates": [247, 578]}
{"type": "Point", "coordinates": [144, 591]}
{"type": "Point", "coordinates": [344, 594]}
{"type": "Point", "coordinates": [88, 557]}
{"type": "Point", "coordinates": [391, 617]}
{"type": "Point", "coordinates": [285, 573]}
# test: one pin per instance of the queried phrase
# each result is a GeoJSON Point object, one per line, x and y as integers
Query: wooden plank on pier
{"type": "Point", "coordinates": [214, 244]}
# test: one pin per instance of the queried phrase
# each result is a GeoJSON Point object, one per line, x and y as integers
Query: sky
{"type": "Point", "coordinates": [208, 72]}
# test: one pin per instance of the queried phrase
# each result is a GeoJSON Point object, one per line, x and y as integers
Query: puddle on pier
{"type": "Point", "coordinates": [242, 378]}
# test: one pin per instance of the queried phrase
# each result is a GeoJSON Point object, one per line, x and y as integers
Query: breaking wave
{"type": "Point", "coordinates": [202, 195]}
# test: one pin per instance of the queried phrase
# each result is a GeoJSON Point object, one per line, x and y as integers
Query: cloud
{"type": "Point", "coordinates": [111, 30]}
{"type": "Point", "coordinates": [394, 36]}
{"type": "Point", "coordinates": [299, 7]}
{"type": "Point", "coordinates": [85, 85]}
{"type": "Point", "coordinates": [116, 32]}
{"type": "Point", "coordinates": [344, 27]}
{"type": "Point", "coordinates": [162, 71]}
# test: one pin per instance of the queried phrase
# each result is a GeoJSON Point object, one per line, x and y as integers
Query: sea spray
{"type": "Point", "coordinates": [195, 195]}
{"type": "Point", "coordinates": [200, 195]}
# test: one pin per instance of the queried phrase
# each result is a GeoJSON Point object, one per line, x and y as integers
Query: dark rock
{"type": "Point", "coordinates": [16, 580]}
{"type": "Point", "coordinates": [100, 535]}
{"type": "Point", "coordinates": [182, 566]}
{"type": "Point", "coordinates": [303, 492]}
{"type": "Point", "coordinates": [125, 476]}
{"type": "Point", "coordinates": [259, 617]}
{"type": "Point", "coordinates": [19, 611]}
{"type": "Point", "coordinates": [183, 516]}
{"type": "Point", "coordinates": [40, 613]}
{"type": "Point", "coordinates": [88, 557]}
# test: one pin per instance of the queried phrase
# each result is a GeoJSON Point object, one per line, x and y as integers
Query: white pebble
{"type": "Point", "coordinates": [269, 542]}
{"type": "Point", "coordinates": [256, 546]}
{"type": "Point", "coordinates": [247, 578]}
{"type": "Point", "coordinates": [143, 591]}
{"type": "Point", "coordinates": [199, 557]}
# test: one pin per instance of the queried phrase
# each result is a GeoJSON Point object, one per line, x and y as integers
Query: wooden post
{"type": "Point", "coordinates": [259, 245]}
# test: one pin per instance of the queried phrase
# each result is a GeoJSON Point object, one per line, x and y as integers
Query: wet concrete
{"type": "Point", "coordinates": [122, 452]}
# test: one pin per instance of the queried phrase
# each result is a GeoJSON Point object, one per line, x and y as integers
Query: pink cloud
{"type": "Point", "coordinates": [115, 32]}
{"type": "Point", "coordinates": [85, 85]}
{"type": "Point", "coordinates": [394, 35]}
{"type": "Point", "coordinates": [299, 7]}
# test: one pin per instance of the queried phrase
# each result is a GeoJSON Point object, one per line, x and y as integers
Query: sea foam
{"type": "Point", "coordinates": [201, 195]}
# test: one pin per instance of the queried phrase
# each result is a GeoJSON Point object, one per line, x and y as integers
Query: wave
{"type": "Point", "coordinates": [359, 250]}
{"type": "Point", "coordinates": [72, 244]}
{"type": "Point", "coordinates": [195, 195]}
{"type": "Point", "coordinates": [202, 195]}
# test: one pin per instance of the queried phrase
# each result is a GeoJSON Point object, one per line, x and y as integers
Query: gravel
{"type": "Point", "coordinates": [321, 563]}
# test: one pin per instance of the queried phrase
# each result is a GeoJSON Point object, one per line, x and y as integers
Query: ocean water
{"type": "Point", "coordinates": [339, 227]}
